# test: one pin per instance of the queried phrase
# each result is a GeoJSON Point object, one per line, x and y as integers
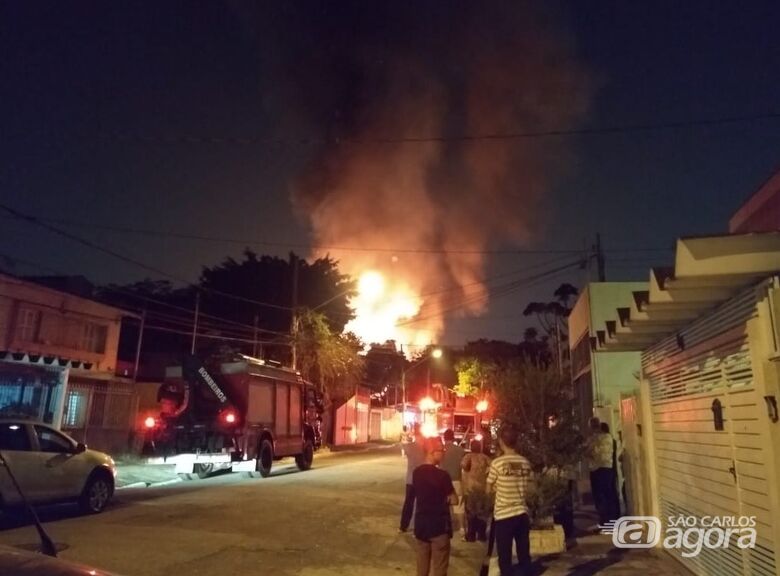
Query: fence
{"type": "Point", "coordinates": [101, 414]}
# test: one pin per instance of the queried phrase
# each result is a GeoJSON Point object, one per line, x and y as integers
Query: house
{"type": "Point", "coordinates": [599, 379]}
{"type": "Point", "coordinates": [702, 437]}
{"type": "Point", "coordinates": [58, 358]}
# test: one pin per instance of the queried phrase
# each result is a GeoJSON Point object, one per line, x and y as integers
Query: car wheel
{"type": "Point", "coordinates": [305, 459]}
{"type": "Point", "coordinates": [265, 458]}
{"type": "Point", "coordinates": [97, 493]}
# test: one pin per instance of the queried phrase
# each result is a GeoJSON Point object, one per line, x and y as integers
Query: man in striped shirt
{"type": "Point", "coordinates": [509, 477]}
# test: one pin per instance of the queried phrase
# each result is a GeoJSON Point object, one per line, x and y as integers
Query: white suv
{"type": "Point", "coordinates": [52, 467]}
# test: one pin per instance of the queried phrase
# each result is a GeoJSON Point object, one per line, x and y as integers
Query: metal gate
{"type": "Point", "coordinates": [710, 433]}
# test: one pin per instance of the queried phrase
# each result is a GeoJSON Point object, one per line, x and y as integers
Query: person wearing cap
{"type": "Point", "coordinates": [432, 521]}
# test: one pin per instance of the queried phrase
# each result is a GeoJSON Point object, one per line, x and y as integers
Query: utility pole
{"type": "Point", "coordinates": [600, 260]}
{"type": "Point", "coordinates": [195, 322]}
{"type": "Point", "coordinates": [138, 345]}
{"type": "Point", "coordinates": [294, 315]}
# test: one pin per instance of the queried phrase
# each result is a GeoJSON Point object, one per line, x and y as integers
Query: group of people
{"type": "Point", "coordinates": [449, 490]}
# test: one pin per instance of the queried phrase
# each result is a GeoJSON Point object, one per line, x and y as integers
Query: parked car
{"type": "Point", "coordinates": [51, 467]}
{"type": "Point", "coordinates": [23, 563]}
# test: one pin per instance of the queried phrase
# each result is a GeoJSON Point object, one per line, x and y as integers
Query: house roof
{"type": "Point", "coordinates": [707, 271]}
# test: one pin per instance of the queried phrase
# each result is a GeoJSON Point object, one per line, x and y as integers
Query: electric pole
{"type": "Point", "coordinates": [138, 345]}
{"type": "Point", "coordinates": [600, 260]}
{"type": "Point", "coordinates": [294, 315]}
{"type": "Point", "coordinates": [195, 322]}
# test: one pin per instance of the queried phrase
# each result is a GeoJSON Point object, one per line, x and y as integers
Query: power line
{"type": "Point", "coordinates": [618, 129]}
{"type": "Point", "coordinates": [287, 245]}
{"type": "Point", "coordinates": [496, 293]}
{"type": "Point", "coordinates": [40, 223]}
{"type": "Point", "coordinates": [142, 297]}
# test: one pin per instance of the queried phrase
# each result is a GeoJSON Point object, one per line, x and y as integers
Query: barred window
{"type": "Point", "coordinates": [75, 413]}
{"type": "Point", "coordinates": [28, 324]}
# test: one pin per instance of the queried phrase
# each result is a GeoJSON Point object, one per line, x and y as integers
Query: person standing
{"type": "Point", "coordinates": [451, 464]}
{"type": "Point", "coordinates": [475, 466]}
{"type": "Point", "coordinates": [509, 477]}
{"type": "Point", "coordinates": [599, 459]}
{"type": "Point", "coordinates": [612, 490]}
{"type": "Point", "coordinates": [432, 522]}
{"type": "Point", "coordinates": [414, 457]}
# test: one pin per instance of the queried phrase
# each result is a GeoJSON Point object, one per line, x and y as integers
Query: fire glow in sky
{"type": "Point", "coordinates": [381, 306]}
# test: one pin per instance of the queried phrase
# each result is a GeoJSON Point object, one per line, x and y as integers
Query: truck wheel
{"type": "Point", "coordinates": [304, 460]}
{"type": "Point", "coordinates": [204, 470]}
{"type": "Point", "coordinates": [265, 458]}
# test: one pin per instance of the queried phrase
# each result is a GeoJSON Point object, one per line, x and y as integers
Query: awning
{"type": "Point", "coordinates": [707, 271]}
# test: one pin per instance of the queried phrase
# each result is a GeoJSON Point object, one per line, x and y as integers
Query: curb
{"type": "Point", "coordinates": [149, 484]}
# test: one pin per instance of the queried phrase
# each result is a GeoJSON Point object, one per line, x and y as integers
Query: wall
{"type": "Point", "coordinates": [61, 324]}
{"type": "Point", "coordinates": [702, 468]}
{"type": "Point", "coordinates": [616, 373]}
{"type": "Point", "coordinates": [761, 213]}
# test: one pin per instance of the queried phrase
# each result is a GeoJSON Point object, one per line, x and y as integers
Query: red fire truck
{"type": "Point", "coordinates": [239, 413]}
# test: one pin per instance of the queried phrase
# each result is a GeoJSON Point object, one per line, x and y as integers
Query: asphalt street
{"type": "Point", "coordinates": [339, 518]}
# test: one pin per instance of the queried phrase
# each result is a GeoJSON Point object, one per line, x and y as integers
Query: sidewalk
{"type": "Point", "coordinates": [594, 553]}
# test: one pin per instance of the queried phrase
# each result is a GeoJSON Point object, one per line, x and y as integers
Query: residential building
{"type": "Point", "coordinates": [761, 212]}
{"type": "Point", "coordinates": [702, 436]}
{"type": "Point", "coordinates": [58, 358]}
{"type": "Point", "coordinates": [599, 379]}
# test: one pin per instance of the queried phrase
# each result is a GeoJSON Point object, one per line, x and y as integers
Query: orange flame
{"type": "Point", "coordinates": [382, 307]}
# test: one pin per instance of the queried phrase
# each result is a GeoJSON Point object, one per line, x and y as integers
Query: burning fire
{"type": "Point", "coordinates": [382, 306]}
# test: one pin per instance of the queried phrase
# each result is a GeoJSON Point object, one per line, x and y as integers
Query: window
{"type": "Point", "coordinates": [93, 338]}
{"type": "Point", "coordinates": [51, 441]}
{"type": "Point", "coordinates": [14, 437]}
{"type": "Point", "coordinates": [74, 415]}
{"type": "Point", "coordinates": [28, 324]}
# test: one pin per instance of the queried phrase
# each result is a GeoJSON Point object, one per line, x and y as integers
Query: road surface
{"type": "Point", "coordinates": [340, 518]}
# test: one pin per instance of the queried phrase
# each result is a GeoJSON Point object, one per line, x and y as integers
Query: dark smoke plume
{"type": "Point", "coordinates": [361, 72]}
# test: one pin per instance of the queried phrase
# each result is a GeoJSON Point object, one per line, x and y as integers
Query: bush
{"type": "Point", "coordinates": [548, 492]}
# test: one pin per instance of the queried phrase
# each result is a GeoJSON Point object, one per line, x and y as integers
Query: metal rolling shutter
{"type": "Point", "coordinates": [692, 458]}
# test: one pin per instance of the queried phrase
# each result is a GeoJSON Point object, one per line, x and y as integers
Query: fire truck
{"type": "Point", "coordinates": [239, 413]}
{"type": "Point", "coordinates": [467, 417]}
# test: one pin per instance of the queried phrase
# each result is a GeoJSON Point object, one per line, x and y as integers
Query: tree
{"type": "Point", "coordinates": [538, 402]}
{"type": "Point", "coordinates": [474, 375]}
{"type": "Point", "coordinates": [551, 317]}
{"type": "Point", "coordinates": [245, 303]}
{"type": "Point", "coordinates": [330, 359]}
{"type": "Point", "coordinates": [269, 280]}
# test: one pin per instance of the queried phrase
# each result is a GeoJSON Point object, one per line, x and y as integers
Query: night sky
{"type": "Point", "coordinates": [206, 118]}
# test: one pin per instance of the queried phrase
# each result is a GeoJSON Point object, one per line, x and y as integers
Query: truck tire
{"type": "Point", "coordinates": [204, 470]}
{"type": "Point", "coordinates": [305, 458]}
{"type": "Point", "coordinates": [265, 458]}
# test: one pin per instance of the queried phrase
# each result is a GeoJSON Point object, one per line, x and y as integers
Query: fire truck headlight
{"type": "Point", "coordinates": [429, 429]}
{"type": "Point", "coordinates": [150, 422]}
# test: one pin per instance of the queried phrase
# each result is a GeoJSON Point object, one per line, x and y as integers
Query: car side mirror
{"type": "Point", "coordinates": [81, 447]}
